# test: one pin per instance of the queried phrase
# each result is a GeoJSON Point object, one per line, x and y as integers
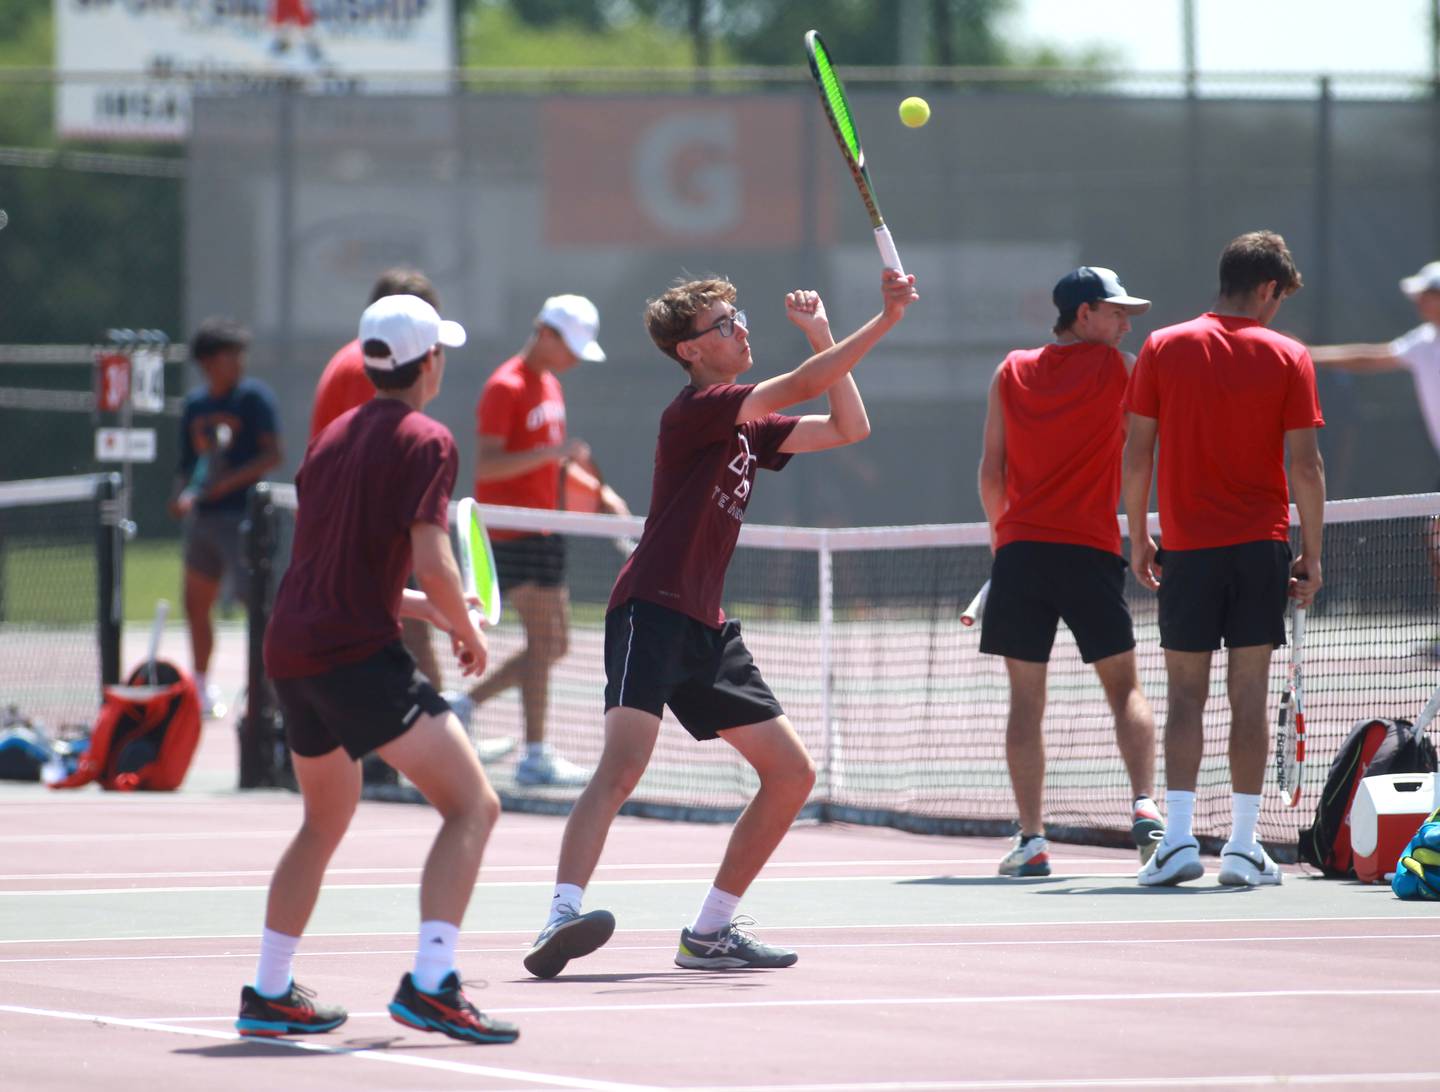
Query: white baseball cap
{"type": "Point", "coordinates": [409, 327]}
{"type": "Point", "coordinates": [1427, 280]}
{"type": "Point", "coordinates": [577, 322]}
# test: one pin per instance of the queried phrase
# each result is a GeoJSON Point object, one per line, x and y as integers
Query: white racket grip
{"type": "Point", "coordinates": [162, 610]}
{"type": "Point", "coordinates": [888, 254]}
{"type": "Point", "coordinates": [1428, 713]}
{"type": "Point", "coordinates": [1297, 635]}
{"type": "Point", "coordinates": [976, 610]}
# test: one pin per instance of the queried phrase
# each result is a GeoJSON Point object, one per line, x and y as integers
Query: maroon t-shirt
{"type": "Point", "coordinates": [366, 480]}
{"type": "Point", "coordinates": [704, 471]}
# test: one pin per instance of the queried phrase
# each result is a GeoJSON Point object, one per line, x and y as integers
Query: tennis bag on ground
{"type": "Point", "coordinates": [1373, 747]}
{"type": "Point", "coordinates": [1417, 872]}
{"type": "Point", "coordinates": [145, 735]}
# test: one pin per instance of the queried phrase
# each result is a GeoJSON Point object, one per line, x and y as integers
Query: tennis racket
{"type": "Point", "coordinates": [162, 608]}
{"type": "Point", "coordinates": [477, 563]}
{"type": "Point", "coordinates": [1290, 724]}
{"type": "Point", "coordinates": [837, 111]}
{"type": "Point", "coordinates": [976, 610]}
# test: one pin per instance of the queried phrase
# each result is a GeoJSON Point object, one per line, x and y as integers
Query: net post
{"type": "Point", "coordinates": [259, 726]}
{"type": "Point", "coordinates": [110, 575]}
{"type": "Point", "coordinates": [832, 776]}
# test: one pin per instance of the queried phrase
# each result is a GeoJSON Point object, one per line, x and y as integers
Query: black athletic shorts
{"type": "Point", "coordinates": [360, 706]}
{"type": "Point", "coordinates": [534, 559]}
{"type": "Point", "coordinates": [1033, 585]}
{"type": "Point", "coordinates": [655, 656]}
{"type": "Point", "coordinates": [1232, 593]}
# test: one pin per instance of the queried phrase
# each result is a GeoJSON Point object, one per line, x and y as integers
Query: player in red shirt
{"type": "Point", "coordinates": [522, 443]}
{"type": "Point", "coordinates": [1227, 398]}
{"type": "Point", "coordinates": [343, 386]}
{"type": "Point", "coordinates": [1050, 484]}
{"type": "Point", "coordinates": [667, 641]}
{"type": "Point", "coordinates": [374, 493]}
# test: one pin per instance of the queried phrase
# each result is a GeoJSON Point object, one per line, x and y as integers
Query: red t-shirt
{"type": "Point", "coordinates": [1064, 431]}
{"type": "Point", "coordinates": [704, 471]}
{"type": "Point", "coordinates": [364, 483]}
{"type": "Point", "coordinates": [1225, 391]}
{"type": "Point", "coordinates": [343, 386]}
{"type": "Point", "coordinates": [526, 409]}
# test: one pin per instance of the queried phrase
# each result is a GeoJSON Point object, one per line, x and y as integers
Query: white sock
{"type": "Point", "coordinates": [536, 750]}
{"type": "Point", "coordinates": [566, 900]}
{"type": "Point", "coordinates": [199, 677]}
{"type": "Point", "coordinates": [716, 912]}
{"type": "Point", "coordinates": [1245, 812]}
{"type": "Point", "coordinates": [277, 957]}
{"type": "Point", "coordinates": [434, 955]}
{"type": "Point", "coordinates": [1179, 816]}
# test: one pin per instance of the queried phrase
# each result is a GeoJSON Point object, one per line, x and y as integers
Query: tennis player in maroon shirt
{"type": "Point", "coordinates": [374, 494]}
{"type": "Point", "coordinates": [1050, 484]}
{"type": "Point", "coordinates": [667, 640]}
{"type": "Point", "coordinates": [1227, 398]}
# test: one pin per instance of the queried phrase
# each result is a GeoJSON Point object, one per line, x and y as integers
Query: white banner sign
{"type": "Point", "coordinates": [168, 47]}
{"type": "Point", "coordinates": [125, 445]}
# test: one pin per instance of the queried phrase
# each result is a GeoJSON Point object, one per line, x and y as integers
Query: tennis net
{"type": "Point", "coordinates": [59, 598]}
{"type": "Point", "coordinates": [858, 633]}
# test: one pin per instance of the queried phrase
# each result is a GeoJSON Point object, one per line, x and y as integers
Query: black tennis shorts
{"type": "Point", "coordinates": [360, 706]}
{"type": "Point", "coordinates": [1033, 585]}
{"type": "Point", "coordinates": [1232, 593]}
{"type": "Point", "coordinates": [655, 656]}
{"type": "Point", "coordinates": [534, 559]}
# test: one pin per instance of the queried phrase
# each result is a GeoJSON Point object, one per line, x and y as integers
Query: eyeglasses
{"type": "Point", "coordinates": [726, 326]}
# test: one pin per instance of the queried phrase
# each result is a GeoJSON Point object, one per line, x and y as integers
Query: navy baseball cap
{"type": "Point", "coordinates": [1095, 284]}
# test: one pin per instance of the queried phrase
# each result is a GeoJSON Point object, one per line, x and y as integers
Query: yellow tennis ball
{"type": "Point", "coordinates": [914, 112]}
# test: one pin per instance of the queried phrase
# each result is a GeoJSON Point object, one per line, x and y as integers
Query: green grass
{"type": "Point", "coordinates": [55, 584]}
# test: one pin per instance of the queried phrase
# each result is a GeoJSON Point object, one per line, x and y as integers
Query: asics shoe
{"type": "Point", "coordinates": [1172, 864]}
{"type": "Point", "coordinates": [1030, 857]}
{"type": "Point", "coordinates": [568, 937]}
{"type": "Point", "coordinates": [1146, 827]}
{"type": "Point", "coordinates": [549, 768]}
{"type": "Point", "coordinates": [1248, 866]}
{"type": "Point", "coordinates": [449, 1012]}
{"type": "Point", "coordinates": [293, 1013]}
{"type": "Point", "coordinates": [729, 948]}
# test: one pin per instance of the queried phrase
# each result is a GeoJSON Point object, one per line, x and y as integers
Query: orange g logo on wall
{"type": "Point", "coordinates": [657, 173]}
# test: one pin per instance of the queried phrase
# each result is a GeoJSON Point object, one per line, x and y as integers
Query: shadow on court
{"type": "Point", "coordinates": [677, 978]}
{"type": "Point", "coordinates": [983, 881]}
{"type": "Point", "coordinates": [291, 1047]}
{"type": "Point", "coordinates": [1152, 892]}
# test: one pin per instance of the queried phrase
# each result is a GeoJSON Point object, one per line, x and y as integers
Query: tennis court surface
{"type": "Point", "coordinates": [128, 925]}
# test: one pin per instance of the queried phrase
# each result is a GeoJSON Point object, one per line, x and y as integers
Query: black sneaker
{"type": "Point", "coordinates": [567, 938]}
{"type": "Point", "coordinates": [293, 1013]}
{"type": "Point", "coordinates": [729, 948]}
{"type": "Point", "coordinates": [449, 1012]}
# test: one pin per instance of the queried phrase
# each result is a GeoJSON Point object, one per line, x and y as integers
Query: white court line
{"type": "Point", "coordinates": [183, 889]}
{"type": "Point", "coordinates": [1287, 1080]}
{"type": "Point", "coordinates": [1017, 942]}
{"type": "Point", "coordinates": [547, 867]}
{"type": "Point", "coordinates": [363, 1054]}
{"type": "Point", "coordinates": [196, 835]}
{"type": "Point", "coordinates": [1054, 923]}
{"type": "Point", "coordinates": [991, 999]}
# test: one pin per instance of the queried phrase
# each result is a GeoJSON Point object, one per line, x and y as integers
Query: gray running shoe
{"type": "Point", "coordinates": [731, 947]}
{"type": "Point", "coordinates": [569, 937]}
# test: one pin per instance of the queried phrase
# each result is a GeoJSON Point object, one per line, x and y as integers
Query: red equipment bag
{"type": "Point", "coordinates": [145, 736]}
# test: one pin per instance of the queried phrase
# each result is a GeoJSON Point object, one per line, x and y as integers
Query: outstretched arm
{"type": "Point", "coordinates": [1356, 358]}
{"type": "Point", "coordinates": [823, 370]}
{"type": "Point", "coordinates": [847, 422]}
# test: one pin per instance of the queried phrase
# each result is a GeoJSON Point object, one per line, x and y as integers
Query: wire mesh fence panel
{"type": "Point", "coordinates": [858, 633]}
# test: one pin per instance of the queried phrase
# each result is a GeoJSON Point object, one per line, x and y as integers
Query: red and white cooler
{"type": "Point", "coordinates": [1387, 812]}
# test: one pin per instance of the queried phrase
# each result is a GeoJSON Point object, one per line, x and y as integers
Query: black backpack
{"type": "Point", "coordinates": [1372, 747]}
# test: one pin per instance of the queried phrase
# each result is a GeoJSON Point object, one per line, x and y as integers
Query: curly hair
{"type": "Point", "coordinates": [670, 318]}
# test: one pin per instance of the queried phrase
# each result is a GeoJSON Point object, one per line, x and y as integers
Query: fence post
{"type": "Point", "coordinates": [110, 508]}
{"type": "Point", "coordinates": [833, 778]}
{"type": "Point", "coordinates": [259, 730]}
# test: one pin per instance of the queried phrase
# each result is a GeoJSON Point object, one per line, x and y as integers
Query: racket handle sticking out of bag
{"type": "Point", "coordinates": [976, 610]}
